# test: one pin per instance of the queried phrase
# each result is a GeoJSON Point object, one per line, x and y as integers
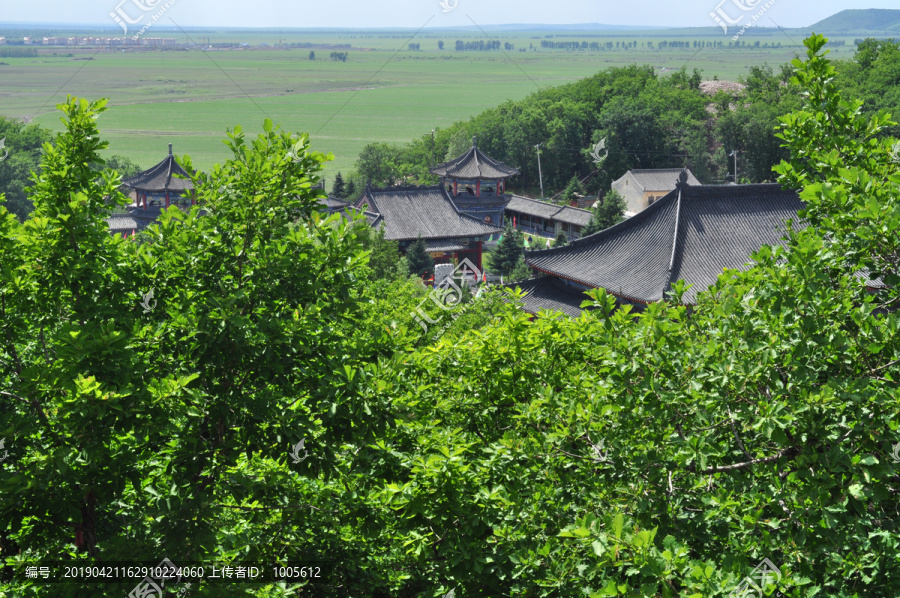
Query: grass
{"type": "Point", "coordinates": [189, 98]}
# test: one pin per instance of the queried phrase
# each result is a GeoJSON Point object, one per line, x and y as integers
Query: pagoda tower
{"type": "Point", "coordinates": [158, 185]}
{"type": "Point", "coordinates": [477, 184]}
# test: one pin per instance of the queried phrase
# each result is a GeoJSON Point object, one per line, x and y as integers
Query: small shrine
{"type": "Point", "coordinates": [161, 185]}
{"type": "Point", "coordinates": [477, 184]}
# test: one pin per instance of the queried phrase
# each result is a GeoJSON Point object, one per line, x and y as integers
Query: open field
{"type": "Point", "coordinates": [190, 97]}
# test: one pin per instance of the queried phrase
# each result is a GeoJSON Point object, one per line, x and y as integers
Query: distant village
{"type": "Point", "coordinates": [95, 42]}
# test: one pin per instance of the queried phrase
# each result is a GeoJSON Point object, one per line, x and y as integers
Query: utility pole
{"type": "Point", "coordinates": [540, 174]}
{"type": "Point", "coordinates": [734, 153]}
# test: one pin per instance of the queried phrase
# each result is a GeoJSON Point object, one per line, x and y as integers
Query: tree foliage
{"type": "Point", "coordinates": [20, 156]}
{"type": "Point", "coordinates": [419, 261]}
{"type": "Point", "coordinates": [606, 213]}
{"type": "Point", "coordinates": [454, 443]}
{"type": "Point", "coordinates": [508, 252]}
{"type": "Point", "coordinates": [338, 189]}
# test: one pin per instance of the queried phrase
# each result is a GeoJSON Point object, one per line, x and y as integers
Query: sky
{"type": "Point", "coordinates": [418, 13]}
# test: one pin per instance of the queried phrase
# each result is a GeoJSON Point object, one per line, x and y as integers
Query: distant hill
{"type": "Point", "coordinates": [868, 20]}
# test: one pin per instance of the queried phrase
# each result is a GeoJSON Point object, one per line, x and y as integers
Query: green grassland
{"type": "Point", "coordinates": [384, 92]}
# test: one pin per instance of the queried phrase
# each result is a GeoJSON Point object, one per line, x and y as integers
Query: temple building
{"type": "Point", "coordinates": [161, 185]}
{"type": "Point", "coordinates": [641, 188]}
{"type": "Point", "coordinates": [690, 234]}
{"type": "Point", "coordinates": [545, 219]}
{"type": "Point", "coordinates": [477, 184]}
{"type": "Point", "coordinates": [410, 212]}
{"type": "Point", "coordinates": [153, 191]}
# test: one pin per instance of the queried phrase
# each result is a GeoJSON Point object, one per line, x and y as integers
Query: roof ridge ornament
{"type": "Point", "coordinates": [170, 149]}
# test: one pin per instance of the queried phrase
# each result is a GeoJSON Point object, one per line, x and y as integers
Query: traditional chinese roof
{"type": "Point", "coordinates": [549, 211]}
{"type": "Point", "coordinates": [443, 246]}
{"type": "Point", "coordinates": [122, 223]}
{"type": "Point", "coordinates": [161, 178]}
{"type": "Point", "coordinates": [410, 212]}
{"type": "Point", "coordinates": [659, 179]}
{"type": "Point", "coordinates": [690, 234]}
{"type": "Point", "coordinates": [550, 293]}
{"type": "Point", "coordinates": [474, 164]}
{"type": "Point", "coordinates": [138, 218]}
{"type": "Point", "coordinates": [332, 204]}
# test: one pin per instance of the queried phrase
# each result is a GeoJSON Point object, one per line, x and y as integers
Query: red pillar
{"type": "Point", "coordinates": [479, 256]}
{"type": "Point", "coordinates": [167, 199]}
{"type": "Point", "coordinates": [455, 189]}
{"type": "Point", "coordinates": [478, 188]}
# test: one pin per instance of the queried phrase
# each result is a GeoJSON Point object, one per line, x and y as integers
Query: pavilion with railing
{"type": "Point", "coordinates": [477, 184]}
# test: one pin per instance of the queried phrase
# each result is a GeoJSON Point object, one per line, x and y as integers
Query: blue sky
{"type": "Point", "coordinates": [414, 13]}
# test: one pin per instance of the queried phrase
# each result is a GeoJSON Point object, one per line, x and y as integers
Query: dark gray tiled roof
{"type": "Point", "coordinates": [549, 292]}
{"type": "Point", "coordinates": [549, 211]}
{"type": "Point", "coordinates": [332, 204]}
{"type": "Point", "coordinates": [160, 179]}
{"type": "Point", "coordinates": [718, 226]}
{"type": "Point", "coordinates": [139, 218]}
{"type": "Point", "coordinates": [575, 216]}
{"type": "Point", "coordinates": [474, 165]}
{"type": "Point", "coordinates": [660, 179]}
{"type": "Point", "coordinates": [122, 223]}
{"type": "Point", "coordinates": [440, 245]}
{"type": "Point", "coordinates": [410, 212]}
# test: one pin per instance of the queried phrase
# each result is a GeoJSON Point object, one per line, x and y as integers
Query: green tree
{"type": "Point", "coordinates": [459, 143]}
{"type": "Point", "coordinates": [18, 158]}
{"type": "Point", "coordinates": [338, 189]}
{"type": "Point", "coordinates": [419, 261]}
{"type": "Point", "coordinates": [376, 164]}
{"type": "Point", "coordinates": [384, 260]}
{"type": "Point", "coordinates": [521, 271]}
{"type": "Point", "coordinates": [606, 213]}
{"type": "Point", "coordinates": [312, 55]}
{"type": "Point", "coordinates": [350, 193]}
{"type": "Point", "coordinates": [574, 187]}
{"type": "Point", "coordinates": [561, 239]}
{"type": "Point", "coordinates": [124, 167]}
{"type": "Point", "coordinates": [191, 375]}
{"type": "Point", "coordinates": [508, 252]}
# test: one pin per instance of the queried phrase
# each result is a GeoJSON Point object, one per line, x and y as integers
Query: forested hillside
{"type": "Point", "coordinates": [240, 386]}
